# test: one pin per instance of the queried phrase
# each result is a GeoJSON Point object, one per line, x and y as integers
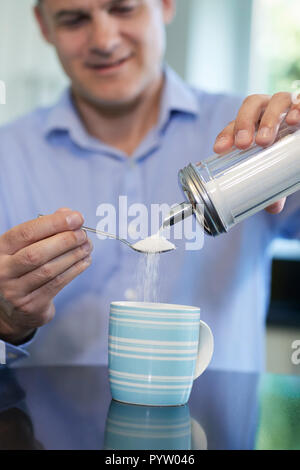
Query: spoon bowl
{"type": "Point", "coordinates": [123, 240]}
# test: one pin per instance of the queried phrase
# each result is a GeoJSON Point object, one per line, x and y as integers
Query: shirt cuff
{"type": "Point", "coordinates": [10, 353]}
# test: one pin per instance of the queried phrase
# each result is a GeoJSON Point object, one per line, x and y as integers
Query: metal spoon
{"type": "Point", "coordinates": [123, 240]}
{"type": "Point", "coordinates": [114, 237]}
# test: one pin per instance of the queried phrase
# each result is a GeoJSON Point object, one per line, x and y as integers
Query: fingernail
{"type": "Point", "coordinates": [87, 261]}
{"type": "Point", "coordinates": [221, 142]}
{"type": "Point", "coordinates": [264, 133]}
{"type": "Point", "coordinates": [223, 138]}
{"type": "Point", "coordinates": [294, 115]}
{"type": "Point", "coordinates": [80, 235]}
{"type": "Point", "coordinates": [242, 136]}
{"type": "Point", "coordinates": [87, 247]}
{"type": "Point", "coordinates": [74, 221]}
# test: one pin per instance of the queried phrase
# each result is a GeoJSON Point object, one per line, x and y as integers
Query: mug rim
{"type": "Point", "coordinates": [154, 305]}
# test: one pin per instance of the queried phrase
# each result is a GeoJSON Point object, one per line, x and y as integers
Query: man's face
{"type": "Point", "coordinates": [111, 49]}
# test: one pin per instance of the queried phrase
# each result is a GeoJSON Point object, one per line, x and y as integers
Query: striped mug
{"type": "Point", "coordinates": [155, 352]}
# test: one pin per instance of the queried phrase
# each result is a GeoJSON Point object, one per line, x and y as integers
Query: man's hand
{"type": "Point", "coordinates": [265, 114]}
{"type": "Point", "coordinates": [37, 259]}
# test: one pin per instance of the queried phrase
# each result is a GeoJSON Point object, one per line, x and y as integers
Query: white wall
{"type": "Point", "coordinates": [219, 45]}
{"type": "Point", "coordinates": [178, 37]}
{"type": "Point", "coordinates": [28, 66]}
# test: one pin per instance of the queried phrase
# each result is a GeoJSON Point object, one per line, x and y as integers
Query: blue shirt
{"type": "Point", "coordinates": [48, 160]}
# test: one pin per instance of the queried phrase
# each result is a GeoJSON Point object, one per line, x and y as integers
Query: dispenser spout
{"type": "Point", "coordinates": [177, 214]}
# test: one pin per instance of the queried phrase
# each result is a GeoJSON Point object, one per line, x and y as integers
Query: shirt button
{"type": "Point", "coordinates": [130, 294]}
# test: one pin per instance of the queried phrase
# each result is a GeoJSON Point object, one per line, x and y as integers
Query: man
{"type": "Point", "coordinates": [126, 127]}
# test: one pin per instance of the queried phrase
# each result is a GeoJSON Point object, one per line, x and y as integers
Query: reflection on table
{"type": "Point", "coordinates": [131, 427]}
{"type": "Point", "coordinates": [16, 428]}
{"type": "Point", "coordinates": [71, 408]}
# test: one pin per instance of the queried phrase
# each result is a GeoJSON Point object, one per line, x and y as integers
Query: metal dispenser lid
{"type": "Point", "coordinates": [194, 189]}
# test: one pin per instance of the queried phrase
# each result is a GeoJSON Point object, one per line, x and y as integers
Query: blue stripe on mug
{"type": "Point", "coordinates": [153, 307]}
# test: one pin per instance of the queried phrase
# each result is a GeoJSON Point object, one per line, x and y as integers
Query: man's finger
{"type": "Point", "coordinates": [41, 252]}
{"type": "Point", "coordinates": [274, 115]}
{"type": "Point", "coordinates": [44, 274]}
{"type": "Point", "coordinates": [35, 302]}
{"type": "Point", "coordinates": [293, 116]}
{"type": "Point", "coordinates": [225, 139]}
{"type": "Point", "coordinates": [38, 229]}
{"type": "Point", "coordinates": [277, 207]}
{"type": "Point", "coordinates": [248, 118]}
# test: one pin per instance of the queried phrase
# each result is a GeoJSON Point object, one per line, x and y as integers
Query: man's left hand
{"type": "Point", "coordinates": [264, 114]}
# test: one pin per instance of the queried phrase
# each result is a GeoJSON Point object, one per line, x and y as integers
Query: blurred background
{"type": "Point", "coordinates": [233, 46]}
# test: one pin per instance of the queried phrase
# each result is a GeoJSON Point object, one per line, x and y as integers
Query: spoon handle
{"type": "Point", "coordinates": [99, 232]}
{"type": "Point", "coordinates": [108, 235]}
{"type": "Point", "coordinates": [88, 229]}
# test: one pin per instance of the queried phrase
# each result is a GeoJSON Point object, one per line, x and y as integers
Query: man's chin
{"type": "Point", "coordinates": [108, 101]}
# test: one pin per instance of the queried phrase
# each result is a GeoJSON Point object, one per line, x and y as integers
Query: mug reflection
{"type": "Point", "coordinates": [134, 427]}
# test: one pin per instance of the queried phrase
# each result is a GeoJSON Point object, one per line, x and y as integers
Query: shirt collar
{"type": "Point", "coordinates": [177, 95]}
{"type": "Point", "coordinates": [64, 118]}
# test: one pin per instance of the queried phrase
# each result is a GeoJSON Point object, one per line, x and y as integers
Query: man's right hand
{"type": "Point", "coordinates": [37, 259]}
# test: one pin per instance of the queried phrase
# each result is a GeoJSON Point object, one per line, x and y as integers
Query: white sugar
{"type": "Point", "coordinates": [148, 268]}
{"type": "Point", "coordinates": [154, 244]}
{"type": "Point", "coordinates": [148, 278]}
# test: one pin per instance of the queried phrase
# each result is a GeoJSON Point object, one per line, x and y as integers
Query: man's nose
{"type": "Point", "coordinates": [104, 36]}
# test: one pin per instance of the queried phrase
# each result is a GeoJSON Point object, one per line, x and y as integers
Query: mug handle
{"type": "Point", "coordinates": [205, 349]}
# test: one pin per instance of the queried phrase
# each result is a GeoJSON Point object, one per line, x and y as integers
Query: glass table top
{"type": "Point", "coordinates": [71, 408]}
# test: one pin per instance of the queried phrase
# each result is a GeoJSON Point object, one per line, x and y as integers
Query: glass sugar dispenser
{"type": "Point", "coordinates": [226, 189]}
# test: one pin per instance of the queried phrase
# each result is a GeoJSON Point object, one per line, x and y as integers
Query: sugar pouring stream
{"type": "Point", "coordinates": [226, 189]}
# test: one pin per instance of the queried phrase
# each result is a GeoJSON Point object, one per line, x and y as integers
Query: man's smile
{"type": "Point", "coordinates": [104, 67]}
